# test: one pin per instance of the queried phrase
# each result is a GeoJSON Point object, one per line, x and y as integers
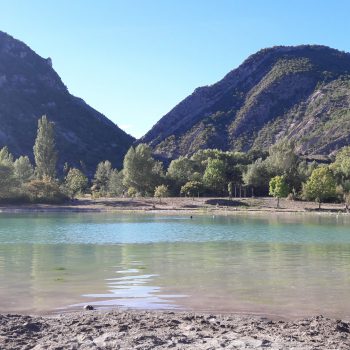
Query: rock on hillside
{"type": "Point", "coordinates": [301, 93]}
{"type": "Point", "coordinates": [29, 88]}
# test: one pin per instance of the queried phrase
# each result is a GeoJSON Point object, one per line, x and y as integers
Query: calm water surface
{"type": "Point", "coordinates": [291, 265]}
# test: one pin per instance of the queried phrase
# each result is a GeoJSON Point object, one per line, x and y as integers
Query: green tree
{"type": "Point", "coordinates": [158, 175]}
{"type": "Point", "coordinates": [257, 175]}
{"type": "Point", "coordinates": [191, 188]}
{"type": "Point", "coordinates": [320, 186]}
{"type": "Point", "coordinates": [141, 171]}
{"type": "Point", "coordinates": [347, 201]}
{"type": "Point", "coordinates": [45, 190]}
{"type": "Point", "coordinates": [282, 157]}
{"type": "Point", "coordinates": [23, 169]}
{"type": "Point", "coordinates": [181, 170]}
{"type": "Point", "coordinates": [102, 177]}
{"type": "Point", "coordinates": [115, 183]}
{"type": "Point", "coordinates": [232, 160]}
{"type": "Point", "coordinates": [8, 181]}
{"type": "Point", "coordinates": [283, 160]}
{"type": "Point", "coordinates": [5, 156]}
{"type": "Point", "coordinates": [76, 182]}
{"type": "Point", "coordinates": [305, 170]}
{"type": "Point", "coordinates": [343, 190]}
{"type": "Point", "coordinates": [132, 192]}
{"type": "Point", "coordinates": [45, 153]}
{"type": "Point", "coordinates": [230, 189]}
{"type": "Point", "coordinates": [341, 169]}
{"type": "Point", "coordinates": [278, 188]}
{"type": "Point", "coordinates": [341, 165]}
{"type": "Point", "coordinates": [215, 175]}
{"type": "Point", "coordinates": [160, 192]}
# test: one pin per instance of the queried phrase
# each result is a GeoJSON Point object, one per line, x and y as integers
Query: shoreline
{"type": "Point", "coordinates": [177, 205]}
{"type": "Point", "coordinates": [130, 329]}
{"type": "Point", "coordinates": [174, 329]}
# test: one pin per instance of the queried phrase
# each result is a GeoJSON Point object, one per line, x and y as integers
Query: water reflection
{"type": "Point", "coordinates": [133, 291]}
{"type": "Point", "coordinates": [286, 265]}
{"type": "Point", "coordinates": [104, 228]}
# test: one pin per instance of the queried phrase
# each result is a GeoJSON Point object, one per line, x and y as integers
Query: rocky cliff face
{"type": "Point", "coordinates": [300, 93]}
{"type": "Point", "coordinates": [29, 88]}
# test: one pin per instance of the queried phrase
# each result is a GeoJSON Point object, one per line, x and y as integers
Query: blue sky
{"type": "Point", "coordinates": [135, 60]}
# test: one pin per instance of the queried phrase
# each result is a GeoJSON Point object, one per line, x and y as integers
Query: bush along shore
{"type": "Point", "coordinates": [280, 173]}
{"type": "Point", "coordinates": [169, 330]}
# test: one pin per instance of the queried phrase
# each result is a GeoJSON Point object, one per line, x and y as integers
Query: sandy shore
{"type": "Point", "coordinates": [169, 330]}
{"type": "Point", "coordinates": [178, 205]}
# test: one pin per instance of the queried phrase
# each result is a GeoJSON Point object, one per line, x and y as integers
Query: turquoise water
{"type": "Point", "coordinates": [291, 265]}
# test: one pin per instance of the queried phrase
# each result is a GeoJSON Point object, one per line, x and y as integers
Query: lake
{"type": "Point", "coordinates": [289, 265]}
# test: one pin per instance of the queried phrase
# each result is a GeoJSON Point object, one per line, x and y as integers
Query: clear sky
{"type": "Point", "coordinates": [135, 60]}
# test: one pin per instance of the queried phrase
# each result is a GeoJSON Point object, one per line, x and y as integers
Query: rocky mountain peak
{"type": "Point", "coordinates": [30, 88]}
{"type": "Point", "coordinates": [266, 98]}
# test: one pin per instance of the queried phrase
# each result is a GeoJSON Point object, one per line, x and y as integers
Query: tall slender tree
{"type": "Point", "coordinates": [102, 176]}
{"type": "Point", "coordinates": [45, 153]}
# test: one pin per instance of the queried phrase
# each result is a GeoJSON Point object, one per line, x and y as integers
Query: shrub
{"type": "Point", "coordinates": [191, 188]}
{"type": "Point", "coordinates": [161, 192]}
{"type": "Point", "coordinates": [44, 190]}
{"type": "Point", "coordinates": [132, 192]}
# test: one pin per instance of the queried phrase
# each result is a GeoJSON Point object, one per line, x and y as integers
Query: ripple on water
{"type": "Point", "coordinates": [274, 264]}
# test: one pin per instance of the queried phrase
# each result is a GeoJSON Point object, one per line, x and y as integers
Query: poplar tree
{"type": "Point", "coordinates": [115, 183]}
{"type": "Point", "coordinates": [102, 176]}
{"type": "Point", "coordinates": [8, 182]}
{"type": "Point", "coordinates": [45, 153]}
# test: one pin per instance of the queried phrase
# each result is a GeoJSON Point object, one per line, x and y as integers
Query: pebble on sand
{"type": "Point", "coordinates": [89, 307]}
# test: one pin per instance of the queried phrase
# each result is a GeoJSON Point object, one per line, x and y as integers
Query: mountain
{"type": "Point", "coordinates": [300, 93]}
{"type": "Point", "coordinates": [30, 88]}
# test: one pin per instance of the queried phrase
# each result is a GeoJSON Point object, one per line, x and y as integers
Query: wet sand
{"type": "Point", "coordinates": [169, 330]}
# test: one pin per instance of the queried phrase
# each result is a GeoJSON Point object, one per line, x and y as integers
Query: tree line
{"type": "Point", "coordinates": [20, 181]}
{"type": "Point", "coordinates": [280, 172]}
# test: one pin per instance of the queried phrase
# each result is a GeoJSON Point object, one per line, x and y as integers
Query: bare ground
{"type": "Point", "coordinates": [169, 330]}
{"type": "Point", "coordinates": [178, 205]}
